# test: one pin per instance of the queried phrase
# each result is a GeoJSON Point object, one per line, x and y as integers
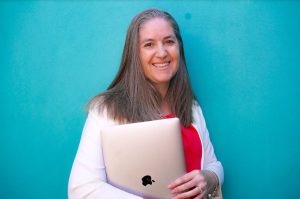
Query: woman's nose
{"type": "Point", "coordinates": [161, 51]}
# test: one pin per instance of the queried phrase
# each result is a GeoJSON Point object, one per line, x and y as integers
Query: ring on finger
{"type": "Point", "coordinates": [200, 189]}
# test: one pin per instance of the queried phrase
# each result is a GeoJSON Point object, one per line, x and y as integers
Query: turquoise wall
{"type": "Point", "coordinates": [243, 58]}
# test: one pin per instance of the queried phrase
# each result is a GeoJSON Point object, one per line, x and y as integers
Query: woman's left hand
{"type": "Point", "coordinates": [195, 184]}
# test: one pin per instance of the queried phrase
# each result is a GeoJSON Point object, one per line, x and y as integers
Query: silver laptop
{"type": "Point", "coordinates": [143, 158]}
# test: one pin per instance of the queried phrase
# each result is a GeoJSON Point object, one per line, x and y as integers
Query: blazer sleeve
{"type": "Point", "coordinates": [210, 161]}
{"type": "Point", "coordinates": [88, 175]}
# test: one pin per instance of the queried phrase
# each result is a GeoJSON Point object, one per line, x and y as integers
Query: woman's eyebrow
{"type": "Point", "coordinates": [150, 39]}
{"type": "Point", "coordinates": [147, 40]}
{"type": "Point", "coordinates": [170, 37]}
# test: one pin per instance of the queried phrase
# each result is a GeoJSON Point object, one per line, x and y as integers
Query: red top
{"type": "Point", "coordinates": [192, 146]}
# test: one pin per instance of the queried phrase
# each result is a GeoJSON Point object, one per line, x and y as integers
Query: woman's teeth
{"type": "Point", "coordinates": [161, 65]}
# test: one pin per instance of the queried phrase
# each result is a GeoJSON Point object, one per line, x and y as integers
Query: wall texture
{"type": "Point", "coordinates": [243, 58]}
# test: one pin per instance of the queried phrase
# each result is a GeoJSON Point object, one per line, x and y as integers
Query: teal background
{"type": "Point", "coordinates": [243, 58]}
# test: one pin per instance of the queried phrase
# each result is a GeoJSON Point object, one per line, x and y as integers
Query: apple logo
{"type": "Point", "coordinates": [147, 180]}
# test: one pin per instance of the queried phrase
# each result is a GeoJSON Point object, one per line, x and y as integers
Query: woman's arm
{"type": "Point", "coordinates": [88, 175]}
{"type": "Point", "coordinates": [210, 161]}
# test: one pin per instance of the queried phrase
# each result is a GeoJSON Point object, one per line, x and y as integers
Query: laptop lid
{"type": "Point", "coordinates": [143, 158]}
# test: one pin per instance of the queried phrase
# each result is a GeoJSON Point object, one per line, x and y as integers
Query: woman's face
{"type": "Point", "coordinates": [159, 52]}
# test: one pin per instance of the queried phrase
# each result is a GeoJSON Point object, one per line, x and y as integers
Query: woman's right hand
{"type": "Point", "coordinates": [195, 184]}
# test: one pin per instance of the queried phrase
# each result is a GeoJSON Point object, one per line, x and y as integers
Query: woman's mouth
{"type": "Point", "coordinates": [161, 65]}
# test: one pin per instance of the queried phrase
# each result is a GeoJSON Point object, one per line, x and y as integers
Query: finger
{"type": "Point", "coordinates": [197, 180]}
{"type": "Point", "coordinates": [195, 192]}
{"type": "Point", "coordinates": [184, 187]}
{"type": "Point", "coordinates": [200, 196]}
{"type": "Point", "coordinates": [187, 177]}
{"type": "Point", "coordinates": [180, 181]}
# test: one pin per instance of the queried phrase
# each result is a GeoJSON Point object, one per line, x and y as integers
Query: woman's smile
{"type": "Point", "coordinates": [161, 65]}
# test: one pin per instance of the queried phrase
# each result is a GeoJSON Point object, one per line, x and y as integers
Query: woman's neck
{"type": "Point", "coordinates": [162, 89]}
{"type": "Point", "coordinates": [165, 107]}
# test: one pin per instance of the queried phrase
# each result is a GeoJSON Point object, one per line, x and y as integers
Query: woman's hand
{"type": "Point", "coordinates": [195, 184]}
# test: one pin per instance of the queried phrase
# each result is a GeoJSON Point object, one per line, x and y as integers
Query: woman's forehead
{"type": "Point", "coordinates": [155, 21]}
{"type": "Point", "coordinates": [156, 28]}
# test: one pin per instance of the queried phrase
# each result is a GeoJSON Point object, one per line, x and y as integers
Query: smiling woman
{"type": "Point", "coordinates": [159, 53]}
{"type": "Point", "coordinates": [152, 83]}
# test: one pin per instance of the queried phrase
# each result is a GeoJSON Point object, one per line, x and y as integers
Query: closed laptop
{"type": "Point", "coordinates": [143, 158]}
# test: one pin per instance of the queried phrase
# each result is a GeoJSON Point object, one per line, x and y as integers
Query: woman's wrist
{"type": "Point", "coordinates": [212, 182]}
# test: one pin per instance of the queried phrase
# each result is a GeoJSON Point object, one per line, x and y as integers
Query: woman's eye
{"type": "Point", "coordinates": [147, 45]}
{"type": "Point", "coordinates": [170, 41]}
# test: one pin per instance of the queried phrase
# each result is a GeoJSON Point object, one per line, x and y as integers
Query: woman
{"type": "Point", "coordinates": [152, 83]}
